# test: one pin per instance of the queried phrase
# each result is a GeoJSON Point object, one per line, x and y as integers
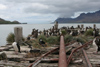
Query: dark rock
{"type": "Point", "coordinates": [3, 56]}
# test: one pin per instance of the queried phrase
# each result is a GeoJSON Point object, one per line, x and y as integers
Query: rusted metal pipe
{"type": "Point", "coordinates": [39, 59]}
{"type": "Point", "coordinates": [46, 54]}
{"type": "Point", "coordinates": [70, 57]}
{"type": "Point", "coordinates": [86, 58]}
{"type": "Point", "coordinates": [62, 54]}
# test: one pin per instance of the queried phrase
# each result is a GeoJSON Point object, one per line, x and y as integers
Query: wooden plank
{"type": "Point", "coordinates": [68, 49]}
{"type": "Point", "coordinates": [93, 56]}
{"type": "Point", "coordinates": [13, 53]}
{"type": "Point", "coordinates": [14, 56]}
{"type": "Point", "coordinates": [44, 59]}
{"type": "Point", "coordinates": [14, 64]}
{"type": "Point", "coordinates": [95, 60]}
{"type": "Point", "coordinates": [5, 48]}
{"type": "Point", "coordinates": [29, 59]}
{"type": "Point", "coordinates": [47, 65]}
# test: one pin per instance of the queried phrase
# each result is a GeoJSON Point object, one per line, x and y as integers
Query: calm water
{"type": "Point", "coordinates": [27, 29]}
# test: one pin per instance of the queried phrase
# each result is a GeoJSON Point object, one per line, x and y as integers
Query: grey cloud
{"type": "Point", "coordinates": [24, 1]}
{"type": "Point", "coordinates": [63, 8]}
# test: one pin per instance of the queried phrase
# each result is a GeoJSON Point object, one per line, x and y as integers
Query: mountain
{"type": "Point", "coordinates": [2, 21]}
{"type": "Point", "coordinates": [83, 18]}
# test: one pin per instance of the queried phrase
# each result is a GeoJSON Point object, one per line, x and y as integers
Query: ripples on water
{"type": "Point", "coordinates": [27, 29]}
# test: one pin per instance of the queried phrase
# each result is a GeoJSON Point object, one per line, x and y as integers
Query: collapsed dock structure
{"type": "Point", "coordinates": [63, 54]}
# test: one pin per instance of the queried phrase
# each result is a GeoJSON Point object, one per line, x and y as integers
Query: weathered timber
{"type": "Point", "coordinates": [18, 34]}
{"type": "Point", "coordinates": [6, 48]}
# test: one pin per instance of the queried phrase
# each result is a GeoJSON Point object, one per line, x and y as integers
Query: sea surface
{"type": "Point", "coordinates": [5, 29]}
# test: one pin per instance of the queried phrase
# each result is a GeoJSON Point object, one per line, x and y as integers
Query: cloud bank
{"type": "Point", "coordinates": [45, 11]}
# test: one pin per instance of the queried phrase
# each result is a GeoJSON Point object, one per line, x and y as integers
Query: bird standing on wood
{"type": "Point", "coordinates": [16, 47]}
{"type": "Point", "coordinates": [96, 42]}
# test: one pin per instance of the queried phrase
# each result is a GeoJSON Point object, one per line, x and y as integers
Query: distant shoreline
{"type": "Point", "coordinates": [77, 23]}
{"type": "Point", "coordinates": [12, 24]}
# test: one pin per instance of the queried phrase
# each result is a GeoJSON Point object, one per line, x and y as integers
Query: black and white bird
{"type": "Point", "coordinates": [41, 42]}
{"type": "Point", "coordinates": [96, 42]}
{"type": "Point", "coordinates": [74, 33]}
{"type": "Point", "coordinates": [95, 33]}
{"type": "Point", "coordinates": [16, 47]}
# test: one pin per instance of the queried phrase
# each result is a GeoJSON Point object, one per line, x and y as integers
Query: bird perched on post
{"type": "Point", "coordinates": [16, 47]}
{"type": "Point", "coordinates": [41, 42]}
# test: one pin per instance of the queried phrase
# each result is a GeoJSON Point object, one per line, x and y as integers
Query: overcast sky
{"type": "Point", "coordinates": [45, 11]}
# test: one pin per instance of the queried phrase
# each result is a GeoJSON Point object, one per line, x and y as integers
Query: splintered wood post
{"type": "Point", "coordinates": [94, 26]}
{"type": "Point", "coordinates": [56, 25]}
{"type": "Point", "coordinates": [62, 54]}
{"type": "Point", "coordinates": [18, 34]}
{"type": "Point", "coordinates": [82, 26]}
